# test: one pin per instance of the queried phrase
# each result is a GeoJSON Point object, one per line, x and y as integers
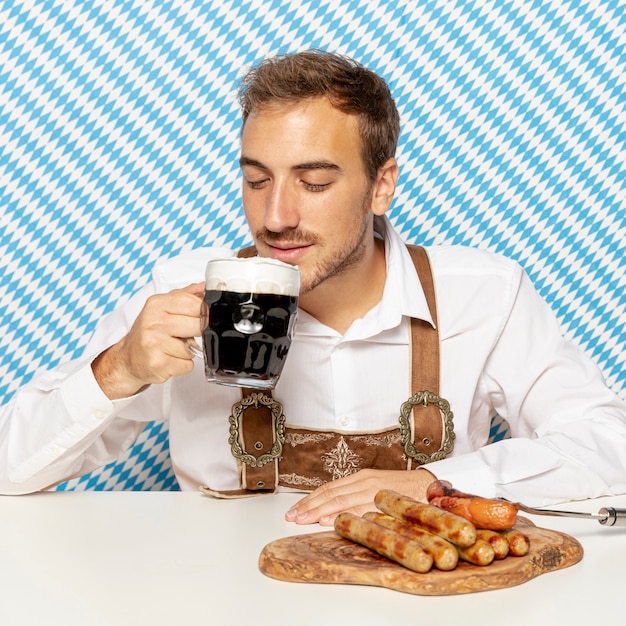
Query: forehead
{"type": "Point", "coordinates": [305, 130]}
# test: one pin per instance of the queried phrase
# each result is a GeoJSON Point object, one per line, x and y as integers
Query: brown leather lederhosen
{"type": "Point", "coordinates": [271, 453]}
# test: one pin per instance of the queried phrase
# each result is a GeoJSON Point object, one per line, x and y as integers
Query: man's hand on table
{"type": "Point", "coordinates": [355, 493]}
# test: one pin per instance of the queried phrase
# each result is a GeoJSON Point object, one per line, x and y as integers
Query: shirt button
{"type": "Point", "coordinates": [344, 421]}
{"type": "Point", "coordinates": [99, 415]}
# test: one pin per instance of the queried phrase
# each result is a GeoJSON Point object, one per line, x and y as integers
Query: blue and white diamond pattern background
{"type": "Point", "coordinates": [119, 139]}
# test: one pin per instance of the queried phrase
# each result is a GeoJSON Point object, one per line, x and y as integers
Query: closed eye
{"type": "Point", "coordinates": [315, 186]}
{"type": "Point", "coordinates": [256, 184]}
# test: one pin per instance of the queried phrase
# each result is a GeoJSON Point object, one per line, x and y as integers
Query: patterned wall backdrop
{"type": "Point", "coordinates": [119, 139]}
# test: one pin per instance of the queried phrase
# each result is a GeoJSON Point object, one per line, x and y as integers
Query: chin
{"type": "Point", "coordinates": [310, 282]}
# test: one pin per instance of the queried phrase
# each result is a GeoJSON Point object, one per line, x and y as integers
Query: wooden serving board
{"type": "Point", "coordinates": [326, 557]}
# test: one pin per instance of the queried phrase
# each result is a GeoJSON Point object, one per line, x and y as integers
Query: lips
{"type": "Point", "coordinates": [287, 252]}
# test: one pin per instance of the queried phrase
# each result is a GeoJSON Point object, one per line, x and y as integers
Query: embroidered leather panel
{"type": "Point", "coordinates": [312, 458]}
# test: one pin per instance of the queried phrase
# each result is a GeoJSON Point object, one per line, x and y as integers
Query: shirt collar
{"type": "Point", "coordinates": [403, 294]}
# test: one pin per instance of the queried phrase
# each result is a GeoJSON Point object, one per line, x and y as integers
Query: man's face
{"type": "Point", "coordinates": [306, 196]}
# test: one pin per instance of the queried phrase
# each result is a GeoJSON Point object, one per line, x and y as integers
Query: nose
{"type": "Point", "coordinates": [281, 210]}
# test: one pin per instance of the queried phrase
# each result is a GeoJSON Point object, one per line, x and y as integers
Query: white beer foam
{"type": "Point", "coordinates": [253, 275]}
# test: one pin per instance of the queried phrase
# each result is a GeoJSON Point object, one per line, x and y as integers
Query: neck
{"type": "Point", "coordinates": [342, 299]}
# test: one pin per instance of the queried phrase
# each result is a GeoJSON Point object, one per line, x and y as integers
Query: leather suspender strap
{"type": "Point", "coordinates": [246, 253]}
{"type": "Point", "coordinates": [424, 337]}
{"type": "Point", "coordinates": [257, 434]}
{"type": "Point", "coordinates": [423, 412]}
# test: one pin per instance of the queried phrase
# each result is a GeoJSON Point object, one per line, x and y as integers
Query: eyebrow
{"type": "Point", "coordinates": [311, 165]}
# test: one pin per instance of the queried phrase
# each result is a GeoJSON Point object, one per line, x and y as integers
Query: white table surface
{"type": "Point", "coordinates": [135, 558]}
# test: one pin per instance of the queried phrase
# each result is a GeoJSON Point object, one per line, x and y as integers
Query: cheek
{"type": "Point", "coordinates": [252, 208]}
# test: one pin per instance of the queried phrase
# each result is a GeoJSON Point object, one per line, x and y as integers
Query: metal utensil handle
{"type": "Point", "coordinates": [552, 512]}
{"type": "Point", "coordinates": [613, 517]}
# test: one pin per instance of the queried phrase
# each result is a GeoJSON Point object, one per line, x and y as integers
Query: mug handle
{"type": "Point", "coordinates": [194, 345]}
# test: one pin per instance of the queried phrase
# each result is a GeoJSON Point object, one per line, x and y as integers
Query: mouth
{"type": "Point", "coordinates": [286, 251]}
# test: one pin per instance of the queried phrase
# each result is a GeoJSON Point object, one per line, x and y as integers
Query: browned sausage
{"type": "Point", "coordinates": [439, 488]}
{"type": "Point", "coordinates": [519, 543]}
{"type": "Point", "coordinates": [482, 512]}
{"type": "Point", "coordinates": [445, 555]}
{"type": "Point", "coordinates": [495, 539]}
{"type": "Point", "coordinates": [479, 553]}
{"type": "Point", "coordinates": [447, 525]}
{"type": "Point", "coordinates": [387, 543]}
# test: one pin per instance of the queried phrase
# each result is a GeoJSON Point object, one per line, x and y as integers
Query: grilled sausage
{"type": "Point", "coordinates": [459, 531]}
{"type": "Point", "coordinates": [519, 543]}
{"type": "Point", "coordinates": [386, 542]}
{"type": "Point", "coordinates": [445, 555]}
{"type": "Point", "coordinates": [482, 512]}
{"type": "Point", "coordinates": [496, 540]}
{"type": "Point", "coordinates": [479, 553]}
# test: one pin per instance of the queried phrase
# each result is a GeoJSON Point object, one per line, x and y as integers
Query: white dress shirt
{"type": "Point", "coordinates": [500, 349]}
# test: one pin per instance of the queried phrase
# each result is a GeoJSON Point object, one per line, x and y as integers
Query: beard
{"type": "Point", "coordinates": [329, 263]}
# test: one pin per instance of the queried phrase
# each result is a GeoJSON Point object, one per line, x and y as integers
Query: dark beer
{"type": "Point", "coordinates": [248, 336]}
{"type": "Point", "coordinates": [252, 305]}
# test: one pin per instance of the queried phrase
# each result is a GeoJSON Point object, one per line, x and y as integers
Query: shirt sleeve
{"type": "Point", "coordinates": [568, 429]}
{"type": "Point", "coordinates": [62, 425]}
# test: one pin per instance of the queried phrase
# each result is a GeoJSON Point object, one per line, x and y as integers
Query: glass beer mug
{"type": "Point", "coordinates": [252, 308]}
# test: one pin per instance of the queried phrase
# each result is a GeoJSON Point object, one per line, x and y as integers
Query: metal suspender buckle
{"type": "Point", "coordinates": [275, 421]}
{"type": "Point", "coordinates": [407, 427]}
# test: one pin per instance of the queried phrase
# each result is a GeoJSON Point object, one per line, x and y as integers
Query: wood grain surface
{"type": "Point", "coordinates": [325, 557]}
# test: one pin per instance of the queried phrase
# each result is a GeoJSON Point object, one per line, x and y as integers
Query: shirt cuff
{"type": "Point", "coordinates": [87, 410]}
{"type": "Point", "coordinates": [84, 400]}
{"type": "Point", "coordinates": [468, 473]}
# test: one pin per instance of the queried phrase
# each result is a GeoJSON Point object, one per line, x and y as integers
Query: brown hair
{"type": "Point", "coordinates": [348, 85]}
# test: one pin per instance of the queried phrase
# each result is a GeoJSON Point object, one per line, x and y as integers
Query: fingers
{"type": "Point", "coordinates": [167, 320]}
{"type": "Point", "coordinates": [181, 312]}
{"type": "Point", "coordinates": [352, 493]}
{"type": "Point", "coordinates": [155, 348]}
{"type": "Point", "coordinates": [196, 289]}
{"type": "Point", "coordinates": [326, 502]}
{"type": "Point", "coordinates": [355, 493]}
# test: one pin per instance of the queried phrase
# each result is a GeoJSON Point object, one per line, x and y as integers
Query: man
{"type": "Point", "coordinates": [317, 158]}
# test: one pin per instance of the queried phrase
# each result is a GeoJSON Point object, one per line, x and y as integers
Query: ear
{"type": "Point", "coordinates": [385, 186]}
